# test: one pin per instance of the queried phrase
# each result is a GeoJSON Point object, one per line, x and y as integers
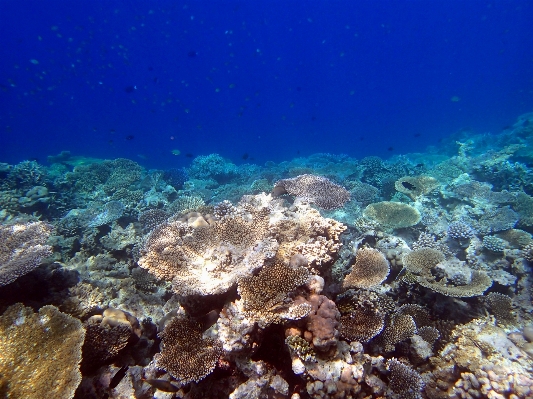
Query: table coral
{"type": "Point", "coordinates": [23, 247]}
{"type": "Point", "coordinates": [317, 190]}
{"type": "Point", "coordinates": [371, 268]}
{"type": "Point", "coordinates": [39, 353]}
{"type": "Point", "coordinates": [392, 215]}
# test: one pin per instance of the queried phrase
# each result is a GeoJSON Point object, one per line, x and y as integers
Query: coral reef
{"type": "Point", "coordinates": [411, 280]}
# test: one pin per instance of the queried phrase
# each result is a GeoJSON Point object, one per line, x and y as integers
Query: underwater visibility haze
{"type": "Point", "coordinates": [266, 199]}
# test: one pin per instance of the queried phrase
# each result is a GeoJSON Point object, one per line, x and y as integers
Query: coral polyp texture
{"type": "Point", "coordinates": [321, 277]}
{"type": "Point", "coordinates": [392, 215]}
{"type": "Point", "coordinates": [317, 190]}
{"type": "Point", "coordinates": [185, 354]}
{"type": "Point", "coordinates": [209, 259]}
{"type": "Point", "coordinates": [22, 249]}
{"type": "Point", "coordinates": [40, 353]}
{"type": "Point", "coordinates": [265, 296]}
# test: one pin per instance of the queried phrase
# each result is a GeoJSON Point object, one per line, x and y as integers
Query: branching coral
{"type": "Point", "coordinates": [22, 247]}
{"type": "Point", "coordinates": [370, 269]}
{"type": "Point", "coordinates": [404, 381]}
{"type": "Point", "coordinates": [314, 189]}
{"type": "Point", "coordinates": [39, 353]}
{"type": "Point", "coordinates": [265, 296]}
{"type": "Point", "coordinates": [185, 354]}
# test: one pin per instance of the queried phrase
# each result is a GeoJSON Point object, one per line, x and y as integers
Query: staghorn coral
{"type": "Point", "coordinates": [315, 189]}
{"type": "Point", "coordinates": [371, 268]}
{"type": "Point", "coordinates": [392, 215]}
{"type": "Point", "coordinates": [209, 259]}
{"type": "Point", "coordinates": [415, 186]}
{"type": "Point", "coordinates": [185, 354]}
{"type": "Point", "coordinates": [404, 381]}
{"type": "Point", "coordinates": [39, 353]}
{"type": "Point", "coordinates": [264, 296]}
{"type": "Point", "coordinates": [22, 247]}
{"type": "Point", "coordinates": [428, 334]}
{"type": "Point", "coordinates": [186, 203]}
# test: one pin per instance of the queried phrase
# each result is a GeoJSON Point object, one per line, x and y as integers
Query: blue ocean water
{"type": "Point", "coordinates": [257, 81]}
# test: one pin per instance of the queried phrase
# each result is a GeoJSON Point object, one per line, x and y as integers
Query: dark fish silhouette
{"type": "Point", "coordinates": [130, 137]}
{"type": "Point", "coordinates": [189, 155]}
{"type": "Point", "coordinates": [417, 135]}
{"type": "Point", "coordinates": [245, 156]}
{"type": "Point", "coordinates": [130, 89]}
{"type": "Point", "coordinates": [119, 375]}
{"type": "Point", "coordinates": [390, 149]}
{"type": "Point", "coordinates": [162, 385]}
{"type": "Point", "coordinates": [192, 54]}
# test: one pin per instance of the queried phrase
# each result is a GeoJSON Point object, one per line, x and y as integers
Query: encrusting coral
{"type": "Point", "coordinates": [40, 353]}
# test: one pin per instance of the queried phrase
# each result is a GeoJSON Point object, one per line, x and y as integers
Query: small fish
{"type": "Point", "coordinates": [175, 152]}
{"type": "Point", "coordinates": [162, 385]}
{"type": "Point", "coordinates": [189, 155]}
{"type": "Point", "coordinates": [390, 149]}
{"type": "Point", "coordinates": [192, 54]}
{"type": "Point", "coordinates": [417, 135]}
{"type": "Point", "coordinates": [245, 156]}
{"type": "Point", "coordinates": [130, 89]}
{"type": "Point", "coordinates": [119, 375]}
{"type": "Point", "coordinates": [130, 137]}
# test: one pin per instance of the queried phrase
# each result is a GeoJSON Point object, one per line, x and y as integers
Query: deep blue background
{"type": "Point", "coordinates": [274, 79]}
